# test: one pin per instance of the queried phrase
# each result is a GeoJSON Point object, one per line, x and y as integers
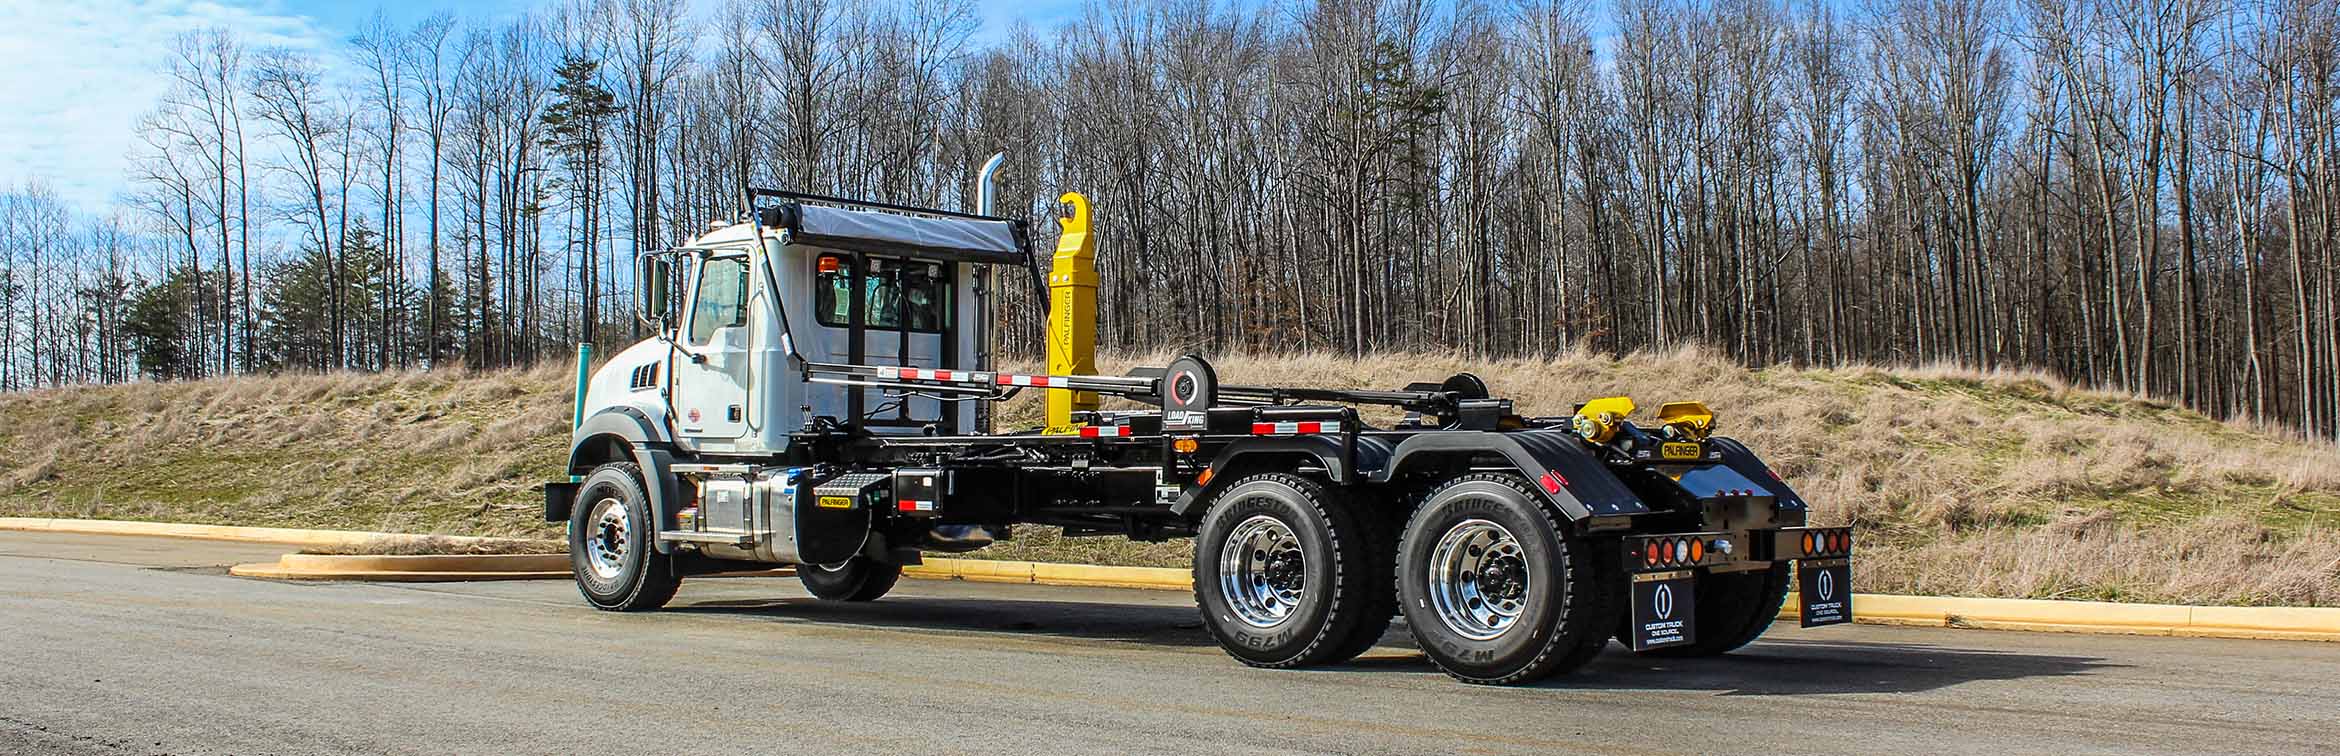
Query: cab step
{"type": "Point", "coordinates": [697, 536]}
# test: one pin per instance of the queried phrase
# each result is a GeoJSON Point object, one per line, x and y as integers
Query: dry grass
{"type": "Point", "coordinates": [1961, 482]}
{"type": "Point", "coordinates": [450, 452]}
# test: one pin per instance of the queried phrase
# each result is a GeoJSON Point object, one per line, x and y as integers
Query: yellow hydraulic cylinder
{"type": "Point", "coordinates": [1072, 313]}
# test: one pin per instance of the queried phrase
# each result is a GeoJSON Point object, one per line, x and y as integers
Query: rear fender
{"type": "Point", "coordinates": [1738, 459]}
{"type": "Point", "coordinates": [1571, 478]}
{"type": "Point", "coordinates": [1283, 452]}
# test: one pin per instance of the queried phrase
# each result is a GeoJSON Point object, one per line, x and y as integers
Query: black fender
{"type": "Point", "coordinates": [598, 440]}
{"type": "Point", "coordinates": [626, 434]}
{"type": "Point", "coordinates": [1739, 459]}
{"type": "Point", "coordinates": [1336, 453]}
{"type": "Point", "coordinates": [1571, 477]}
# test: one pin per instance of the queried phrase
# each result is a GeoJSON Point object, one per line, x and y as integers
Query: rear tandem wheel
{"type": "Point", "coordinates": [1496, 589]}
{"type": "Point", "coordinates": [1285, 575]}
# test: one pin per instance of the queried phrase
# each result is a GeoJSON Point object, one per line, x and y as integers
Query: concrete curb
{"type": "Point", "coordinates": [1046, 573]}
{"type": "Point", "coordinates": [410, 568]}
{"type": "Point", "coordinates": [2037, 615]}
{"type": "Point", "coordinates": [453, 568]}
{"type": "Point", "coordinates": [2248, 622]}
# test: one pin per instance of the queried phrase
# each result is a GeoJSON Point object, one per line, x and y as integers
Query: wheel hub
{"type": "Point", "coordinates": [605, 544]}
{"type": "Point", "coordinates": [1479, 580]}
{"type": "Point", "coordinates": [1262, 571]}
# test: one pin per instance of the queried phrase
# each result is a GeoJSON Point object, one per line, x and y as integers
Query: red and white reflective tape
{"type": "Point", "coordinates": [914, 505]}
{"type": "Point", "coordinates": [920, 374]}
{"type": "Point", "coordinates": [1292, 429]}
{"type": "Point", "coordinates": [1105, 431]}
{"type": "Point", "coordinates": [1043, 381]}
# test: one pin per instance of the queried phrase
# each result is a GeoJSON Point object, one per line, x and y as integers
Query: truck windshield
{"type": "Point", "coordinates": [896, 293]}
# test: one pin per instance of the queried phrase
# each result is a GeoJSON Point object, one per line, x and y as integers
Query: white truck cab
{"type": "Point", "coordinates": [806, 282]}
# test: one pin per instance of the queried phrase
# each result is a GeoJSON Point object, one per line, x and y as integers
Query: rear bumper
{"type": "Point", "coordinates": [1669, 575]}
{"type": "Point", "coordinates": [1739, 549]}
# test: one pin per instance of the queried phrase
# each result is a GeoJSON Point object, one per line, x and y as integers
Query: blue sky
{"type": "Point", "coordinates": [75, 75]}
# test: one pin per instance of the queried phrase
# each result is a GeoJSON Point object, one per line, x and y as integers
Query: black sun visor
{"type": "Point", "coordinates": [906, 232]}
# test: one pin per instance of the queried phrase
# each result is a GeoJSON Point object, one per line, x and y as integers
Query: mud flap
{"type": "Point", "coordinates": [1664, 609]}
{"type": "Point", "coordinates": [1824, 590]}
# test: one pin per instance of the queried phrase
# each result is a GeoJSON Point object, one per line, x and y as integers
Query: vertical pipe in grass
{"type": "Point", "coordinates": [577, 403]}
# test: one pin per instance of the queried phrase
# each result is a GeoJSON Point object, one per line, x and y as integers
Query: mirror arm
{"type": "Point", "coordinates": [676, 347]}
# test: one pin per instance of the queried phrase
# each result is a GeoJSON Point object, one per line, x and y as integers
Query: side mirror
{"type": "Point", "coordinates": [656, 279]}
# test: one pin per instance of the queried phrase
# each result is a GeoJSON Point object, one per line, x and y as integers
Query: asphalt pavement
{"type": "Point", "coordinates": [123, 645]}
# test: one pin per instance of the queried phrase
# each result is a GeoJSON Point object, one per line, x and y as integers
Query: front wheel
{"type": "Point", "coordinates": [1496, 591]}
{"type": "Point", "coordinates": [611, 536]}
{"type": "Point", "coordinates": [856, 579]}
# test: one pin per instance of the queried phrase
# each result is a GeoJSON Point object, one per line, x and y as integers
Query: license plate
{"type": "Point", "coordinates": [1664, 605]}
{"type": "Point", "coordinates": [1680, 450]}
{"type": "Point", "coordinates": [1824, 587]}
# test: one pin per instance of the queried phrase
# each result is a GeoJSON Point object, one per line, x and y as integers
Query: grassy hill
{"type": "Point", "coordinates": [1962, 483]}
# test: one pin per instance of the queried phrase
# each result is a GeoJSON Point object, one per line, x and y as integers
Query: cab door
{"type": "Point", "coordinates": [711, 373]}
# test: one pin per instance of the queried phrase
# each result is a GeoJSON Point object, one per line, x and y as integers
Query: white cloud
{"type": "Point", "coordinates": [76, 76]}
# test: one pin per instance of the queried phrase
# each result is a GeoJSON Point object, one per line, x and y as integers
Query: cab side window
{"type": "Point", "coordinates": [721, 300]}
{"type": "Point", "coordinates": [894, 293]}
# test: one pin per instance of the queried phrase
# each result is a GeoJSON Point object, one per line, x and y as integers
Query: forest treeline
{"type": "Point", "coordinates": [2141, 195]}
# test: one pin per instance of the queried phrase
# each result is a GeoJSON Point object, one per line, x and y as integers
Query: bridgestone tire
{"type": "Point", "coordinates": [1334, 602]}
{"type": "Point", "coordinates": [1380, 526]}
{"type": "Point", "coordinates": [1734, 608]}
{"type": "Point", "coordinates": [1564, 612]}
{"type": "Point", "coordinates": [858, 579]}
{"type": "Point", "coordinates": [643, 579]}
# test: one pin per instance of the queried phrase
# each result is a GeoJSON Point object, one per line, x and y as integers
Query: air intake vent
{"type": "Point", "coordinates": [645, 376]}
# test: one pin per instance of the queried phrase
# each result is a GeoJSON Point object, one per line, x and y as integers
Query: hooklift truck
{"type": "Point", "coordinates": [819, 400]}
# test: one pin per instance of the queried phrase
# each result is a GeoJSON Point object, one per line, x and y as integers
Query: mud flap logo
{"type": "Point", "coordinates": [1663, 611]}
{"type": "Point", "coordinates": [1824, 588]}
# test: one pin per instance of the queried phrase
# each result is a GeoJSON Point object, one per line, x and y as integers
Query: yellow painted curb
{"type": "Point", "coordinates": [433, 568]}
{"type": "Point", "coordinates": [290, 536]}
{"type": "Point", "coordinates": [2103, 617]}
{"type": "Point", "coordinates": [1047, 573]}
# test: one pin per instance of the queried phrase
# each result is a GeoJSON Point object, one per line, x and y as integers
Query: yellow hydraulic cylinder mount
{"type": "Point", "coordinates": [1072, 313]}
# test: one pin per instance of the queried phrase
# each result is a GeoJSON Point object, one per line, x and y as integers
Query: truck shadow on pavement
{"type": "Point", "coordinates": [1137, 624]}
{"type": "Point", "coordinates": [1800, 667]}
{"type": "Point", "coordinates": [1767, 668]}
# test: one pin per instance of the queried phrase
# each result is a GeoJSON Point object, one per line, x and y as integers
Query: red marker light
{"type": "Point", "coordinates": [1552, 482]}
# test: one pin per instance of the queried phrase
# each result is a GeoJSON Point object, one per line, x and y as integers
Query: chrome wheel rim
{"type": "Point", "coordinates": [606, 543]}
{"type": "Point", "coordinates": [1262, 571]}
{"type": "Point", "coordinates": [1478, 580]}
